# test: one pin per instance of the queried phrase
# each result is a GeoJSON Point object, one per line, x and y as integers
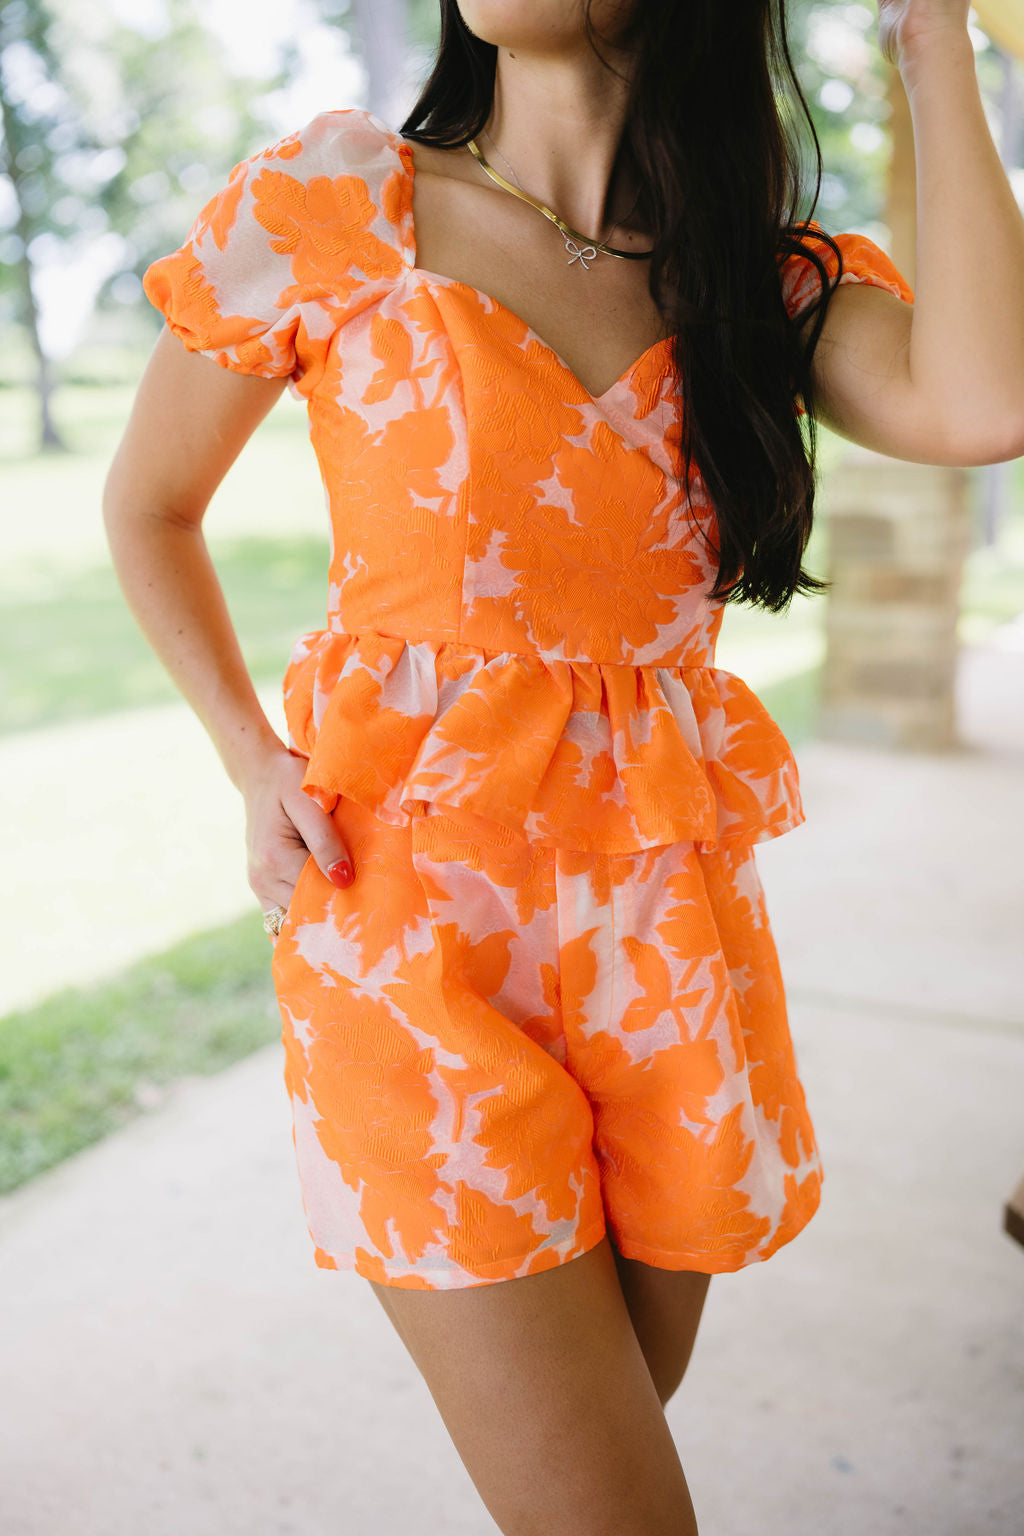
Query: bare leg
{"type": "Point", "coordinates": [546, 1394]}
{"type": "Point", "coordinates": [665, 1306]}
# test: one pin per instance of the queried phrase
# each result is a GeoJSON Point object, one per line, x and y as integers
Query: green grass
{"type": "Point", "coordinates": [89, 656]}
{"type": "Point", "coordinates": [87, 1060]}
{"type": "Point", "coordinates": [69, 645]}
{"type": "Point", "coordinates": [53, 525]}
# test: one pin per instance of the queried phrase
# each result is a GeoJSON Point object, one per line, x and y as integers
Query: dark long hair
{"type": "Point", "coordinates": [721, 169]}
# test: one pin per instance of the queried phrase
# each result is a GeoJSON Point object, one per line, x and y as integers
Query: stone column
{"type": "Point", "coordinates": [898, 536]}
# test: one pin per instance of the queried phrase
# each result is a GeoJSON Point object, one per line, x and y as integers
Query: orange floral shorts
{"type": "Point", "coordinates": [497, 1051]}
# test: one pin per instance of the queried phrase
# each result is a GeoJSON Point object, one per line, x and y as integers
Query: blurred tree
{"type": "Point", "coordinates": [114, 134]}
{"type": "Point", "coordinates": [844, 78]}
{"type": "Point", "coordinates": [846, 81]}
{"type": "Point", "coordinates": [112, 138]}
{"type": "Point", "coordinates": [34, 112]}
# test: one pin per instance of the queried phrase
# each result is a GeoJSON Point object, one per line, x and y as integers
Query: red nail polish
{"type": "Point", "coordinates": [341, 873]}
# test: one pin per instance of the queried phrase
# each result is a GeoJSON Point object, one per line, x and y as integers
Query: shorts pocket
{"type": "Point", "coordinates": [287, 922]}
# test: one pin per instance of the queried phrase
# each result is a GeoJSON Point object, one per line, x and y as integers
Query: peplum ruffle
{"type": "Point", "coordinates": [581, 754]}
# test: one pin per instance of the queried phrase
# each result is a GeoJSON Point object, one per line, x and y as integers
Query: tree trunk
{"type": "Point", "coordinates": [50, 440]}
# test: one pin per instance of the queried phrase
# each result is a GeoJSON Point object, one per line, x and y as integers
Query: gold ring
{"type": "Point", "coordinates": [273, 919]}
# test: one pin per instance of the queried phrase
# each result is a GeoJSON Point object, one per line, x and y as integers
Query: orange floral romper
{"type": "Point", "coordinates": [549, 1007]}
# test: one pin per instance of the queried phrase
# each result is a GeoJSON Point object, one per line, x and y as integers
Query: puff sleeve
{"type": "Point", "coordinates": [276, 260]}
{"type": "Point", "coordinates": [863, 262]}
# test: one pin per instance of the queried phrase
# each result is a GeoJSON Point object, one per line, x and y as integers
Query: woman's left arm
{"type": "Point", "coordinates": [940, 381]}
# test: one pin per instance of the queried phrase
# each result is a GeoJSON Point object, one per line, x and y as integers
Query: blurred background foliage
{"type": "Point", "coordinates": [119, 120]}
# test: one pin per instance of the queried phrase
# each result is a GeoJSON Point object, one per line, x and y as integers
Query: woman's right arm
{"type": "Point", "coordinates": [189, 421]}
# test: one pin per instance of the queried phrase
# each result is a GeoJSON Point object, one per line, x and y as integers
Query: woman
{"type": "Point", "coordinates": [537, 1048]}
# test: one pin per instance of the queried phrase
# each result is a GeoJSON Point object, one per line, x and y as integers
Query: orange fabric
{"type": "Point", "coordinates": [498, 1051]}
{"type": "Point", "coordinates": [517, 620]}
{"type": "Point", "coordinates": [553, 981]}
{"type": "Point", "coordinates": [863, 262]}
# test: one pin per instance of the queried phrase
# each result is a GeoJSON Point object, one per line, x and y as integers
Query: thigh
{"type": "Point", "coordinates": [545, 1392]}
{"type": "Point", "coordinates": [665, 1307]}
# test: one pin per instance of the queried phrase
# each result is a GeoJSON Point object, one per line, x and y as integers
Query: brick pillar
{"type": "Point", "coordinates": [898, 537]}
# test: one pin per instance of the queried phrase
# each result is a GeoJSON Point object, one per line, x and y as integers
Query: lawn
{"type": "Point", "coordinates": [89, 1059]}
{"type": "Point", "coordinates": [89, 656]}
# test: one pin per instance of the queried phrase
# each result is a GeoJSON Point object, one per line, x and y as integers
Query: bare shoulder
{"type": "Point", "coordinates": [432, 160]}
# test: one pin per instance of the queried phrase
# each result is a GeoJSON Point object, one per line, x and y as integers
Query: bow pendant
{"type": "Point", "coordinates": [580, 253]}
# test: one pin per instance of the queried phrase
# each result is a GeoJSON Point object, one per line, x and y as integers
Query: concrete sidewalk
{"type": "Point", "coordinates": [175, 1363]}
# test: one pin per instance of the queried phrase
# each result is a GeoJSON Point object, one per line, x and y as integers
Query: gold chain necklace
{"type": "Point", "coordinates": [577, 252]}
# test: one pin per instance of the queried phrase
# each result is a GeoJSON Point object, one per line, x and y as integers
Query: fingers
{"type": "Point", "coordinates": [321, 837]}
{"type": "Point", "coordinates": [273, 892]}
{"type": "Point", "coordinates": [275, 895]}
{"type": "Point", "coordinates": [286, 831]}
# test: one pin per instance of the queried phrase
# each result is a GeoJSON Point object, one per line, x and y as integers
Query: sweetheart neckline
{"type": "Point", "coordinates": [405, 155]}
